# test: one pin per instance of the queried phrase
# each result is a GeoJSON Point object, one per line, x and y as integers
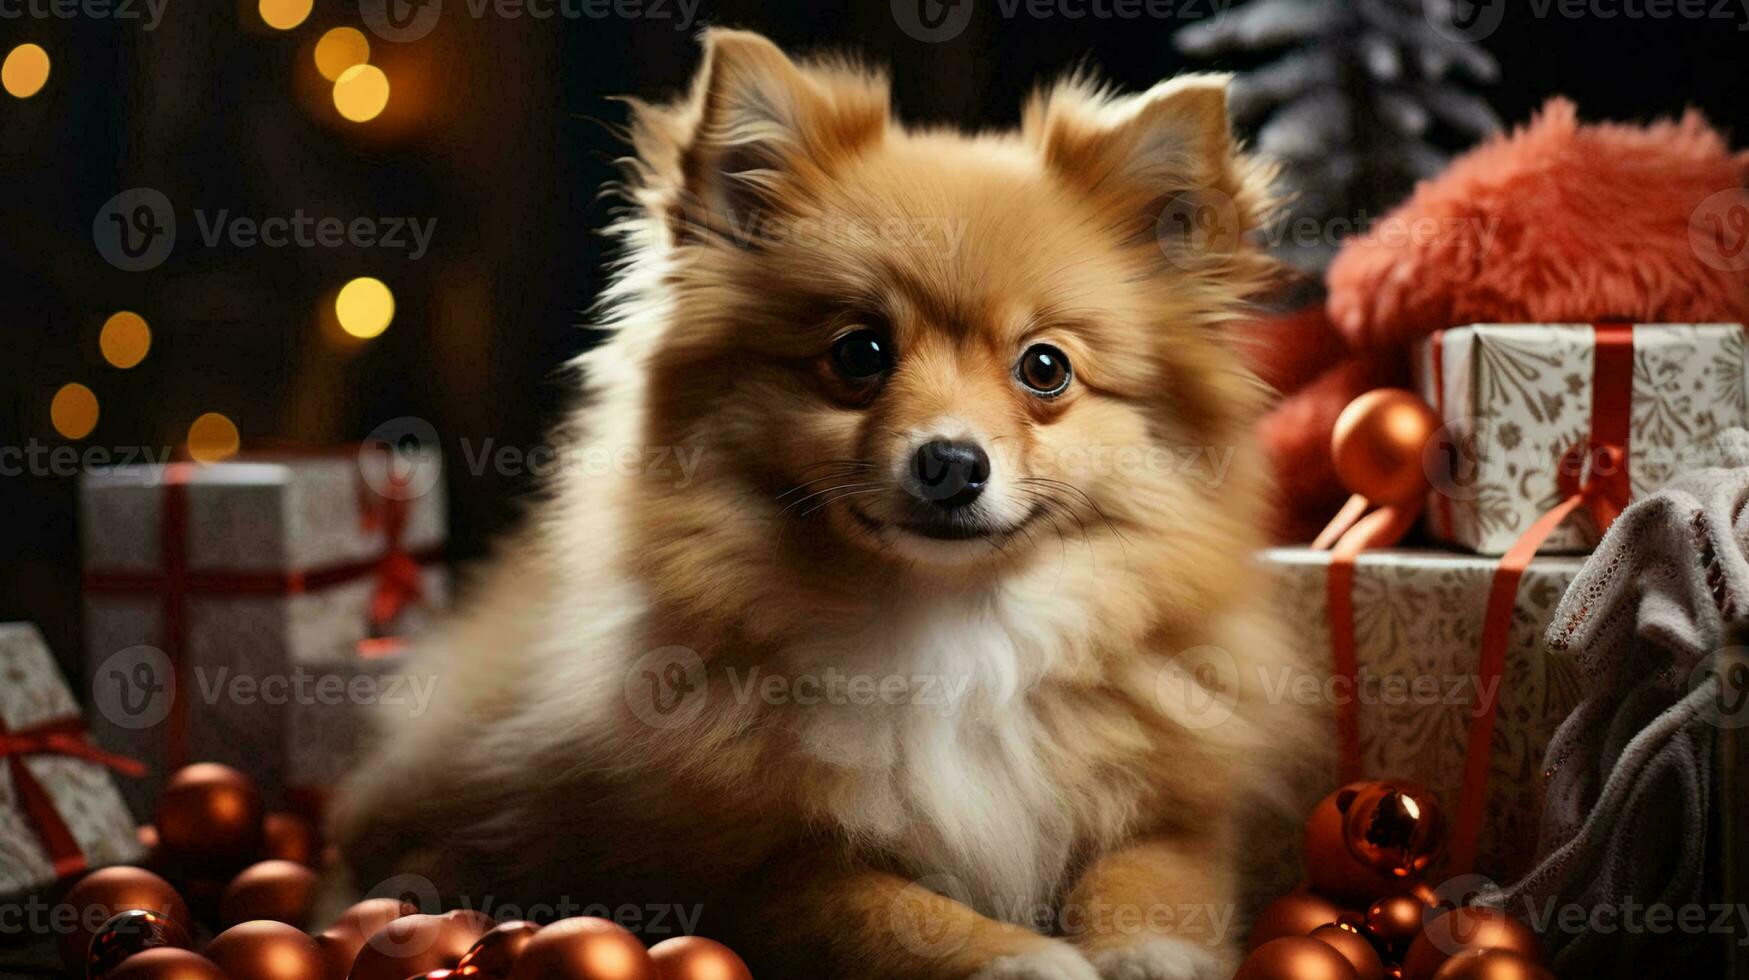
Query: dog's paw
{"type": "Point", "coordinates": [1059, 961]}
{"type": "Point", "coordinates": [1160, 958]}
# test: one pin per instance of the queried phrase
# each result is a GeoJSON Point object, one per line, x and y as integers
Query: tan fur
{"type": "Point", "coordinates": [1063, 774]}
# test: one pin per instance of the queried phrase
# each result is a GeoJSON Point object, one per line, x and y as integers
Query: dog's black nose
{"type": "Point", "coordinates": [950, 474]}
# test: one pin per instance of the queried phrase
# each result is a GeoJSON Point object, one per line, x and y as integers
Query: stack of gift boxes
{"type": "Point", "coordinates": [254, 612]}
{"type": "Point", "coordinates": [1532, 417]}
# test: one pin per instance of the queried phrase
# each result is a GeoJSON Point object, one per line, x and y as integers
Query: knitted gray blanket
{"type": "Point", "coordinates": [1624, 889]}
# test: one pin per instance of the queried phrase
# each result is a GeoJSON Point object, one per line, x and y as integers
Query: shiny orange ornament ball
{"type": "Point", "coordinates": [1293, 914]}
{"type": "Point", "coordinates": [417, 944]}
{"type": "Point", "coordinates": [277, 890]}
{"type": "Point", "coordinates": [266, 950]}
{"type": "Point", "coordinates": [1330, 863]}
{"type": "Point", "coordinates": [584, 948]}
{"type": "Point", "coordinates": [209, 816]}
{"type": "Point", "coordinates": [1468, 930]}
{"type": "Point", "coordinates": [288, 837]}
{"type": "Point", "coordinates": [130, 932]}
{"type": "Point", "coordinates": [167, 963]}
{"type": "Point", "coordinates": [1354, 947]}
{"type": "Point", "coordinates": [697, 958]}
{"type": "Point", "coordinates": [1379, 444]}
{"type": "Point", "coordinates": [1295, 958]}
{"type": "Point", "coordinates": [1496, 964]}
{"type": "Point", "coordinates": [1394, 922]}
{"type": "Point", "coordinates": [341, 941]}
{"type": "Point", "coordinates": [495, 952]}
{"type": "Point", "coordinates": [103, 893]}
{"type": "Point", "coordinates": [1395, 827]}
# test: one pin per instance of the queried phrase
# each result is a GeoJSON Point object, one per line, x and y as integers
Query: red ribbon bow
{"type": "Point", "coordinates": [64, 738]}
{"type": "Point", "coordinates": [397, 571]}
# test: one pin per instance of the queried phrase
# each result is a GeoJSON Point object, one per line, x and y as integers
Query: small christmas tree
{"type": "Point", "coordinates": [1366, 98]}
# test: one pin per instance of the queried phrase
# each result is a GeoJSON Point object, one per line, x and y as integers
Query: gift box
{"type": "Point", "coordinates": [1418, 621]}
{"type": "Point", "coordinates": [1529, 409]}
{"type": "Point", "coordinates": [60, 810]}
{"type": "Point", "coordinates": [209, 587]}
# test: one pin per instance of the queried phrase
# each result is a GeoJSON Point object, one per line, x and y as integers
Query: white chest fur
{"type": "Point", "coordinates": [941, 760]}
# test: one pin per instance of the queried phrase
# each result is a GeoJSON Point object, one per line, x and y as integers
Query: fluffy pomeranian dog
{"type": "Point", "coordinates": [933, 649]}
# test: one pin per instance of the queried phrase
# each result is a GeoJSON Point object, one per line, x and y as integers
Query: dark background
{"type": "Point", "coordinates": [501, 130]}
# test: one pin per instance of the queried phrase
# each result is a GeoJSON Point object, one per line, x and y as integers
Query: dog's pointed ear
{"type": "Point", "coordinates": [1144, 157]}
{"type": "Point", "coordinates": [762, 119]}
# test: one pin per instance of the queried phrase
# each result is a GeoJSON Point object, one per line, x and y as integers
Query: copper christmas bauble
{"type": "Point", "coordinates": [1470, 929]}
{"type": "Point", "coordinates": [1395, 922]}
{"type": "Point", "coordinates": [1331, 865]}
{"type": "Point", "coordinates": [277, 890]}
{"type": "Point", "coordinates": [1496, 964]}
{"type": "Point", "coordinates": [101, 894]}
{"type": "Point", "coordinates": [1354, 947]}
{"type": "Point", "coordinates": [342, 940]}
{"type": "Point", "coordinates": [288, 837]}
{"type": "Point", "coordinates": [1295, 958]}
{"type": "Point", "coordinates": [265, 950]}
{"type": "Point", "coordinates": [417, 944]}
{"type": "Point", "coordinates": [495, 952]}
{"type": "Point", "coordinates": [697, 958]}
{"type": "Point", "coordinates": [166, 963]}
{"type": "Point", "coordinates": [209, 817]}
{"type": "Point", "coordinates": [583, 949]}
{"type": "Point", "coordinates": [1379, 443]}
{"type": "Point", "coordinates": [130, 932]}
{"type": "Point", "coordinates": [1293, 914]}
{"type": "Point", "coordinates": [1395, 827]}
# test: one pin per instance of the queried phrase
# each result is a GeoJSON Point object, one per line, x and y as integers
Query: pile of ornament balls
{"type": "Point", "coordinates": [250, 876]}
{"type": "Point", "coordinates": [1366, 912]}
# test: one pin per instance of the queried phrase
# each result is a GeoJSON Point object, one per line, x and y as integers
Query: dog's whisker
{"type": "Point", "coordinates": [843, 486]}
{"type": "Point", "coordinates": [832, 500]}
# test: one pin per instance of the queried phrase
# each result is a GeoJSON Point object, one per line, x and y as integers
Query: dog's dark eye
{"type": "Point", "coordinates": [862, 355]}
{"type": "Point", "coordinates": [1044, 369]}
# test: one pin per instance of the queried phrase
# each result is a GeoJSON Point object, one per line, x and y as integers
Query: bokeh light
{"type": "Point", "coordinates": [212, 437]}
{"type": "Point", "coordinates": [340, 49]}
{"type": "Point", "coordinates": [25, 70]}
{"type": "Point", "coordinates": [73, 412]}
{"type": "Point", "coordinates": [365, 306]}
{"type": "Point", "coordinates": [125, 339]}
{"type": "Point", "coordinates": [361, 92]}
{"type": "Point", "coordinates": [285, 14]}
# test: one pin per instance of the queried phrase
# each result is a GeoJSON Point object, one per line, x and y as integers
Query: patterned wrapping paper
{"type": "Point", "coordinates": [1516, 397]}
{"type": "Point", "coordinates": [32, 692]}
{"type": "Point", "coordinates": [257, 517]}
{"type": "Point", "coordinates": [1418, 620]}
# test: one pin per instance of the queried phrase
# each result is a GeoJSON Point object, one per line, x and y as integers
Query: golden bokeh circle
{"type": "Point", "coordinates": [125, 339]}
{"type": "Point", "coordinates": [73, 411]}
{"type": "Point", "coordinates": [25, 70]}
